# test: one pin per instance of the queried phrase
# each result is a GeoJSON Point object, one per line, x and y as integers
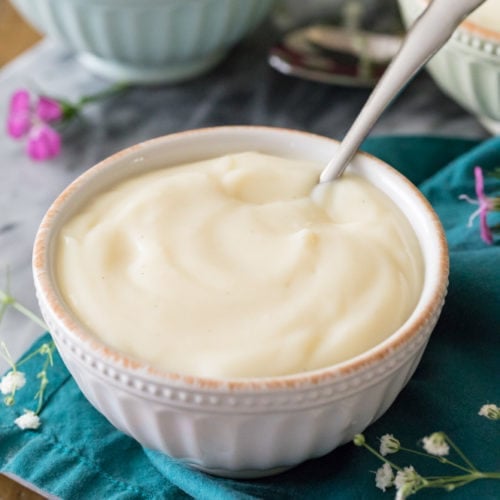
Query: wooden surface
{"type": "Point", "coordinates": [10, 490]}
{"type": "Point", "coordinates": [15, 37]}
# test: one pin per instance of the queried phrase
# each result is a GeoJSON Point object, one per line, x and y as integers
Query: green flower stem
{"type": "Point", "coordinates": [114, 89]}
{"type": "Point", "coordinates": [8, 300]}
{"type": "Point", "coordinates": [439, 459]}
{"type": "Point", "coordinates": [379, 456]}
{"type": "Point", "coordinates": [49, 347]}
{"type": "Point", "coordinates": [39, 395]}
{"type": "Point", "coordinates": [452, 482]}
{"type": "Point", "coordinates": [70, 110]}
{"type": "Point", "coordinates": [43, 381]}
{"type": "Point", "coordinates": [27, 358]}
{"type": "Point", "coordinates": [29, 314]}
{"type": "Point", "coordinates": [460, 453]}
{"type": "Point", "coordinates": [47, 350]}
{"type": "Point", "coordinates": [488, 475]}
{"type": "Point", "coordinates": [3, 307]}
{"type": "Point", "coordinates": [4, 352]}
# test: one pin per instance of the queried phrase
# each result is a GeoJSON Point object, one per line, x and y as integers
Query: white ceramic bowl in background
{"type": "Point", "coordinates": [467, 68]}
{"type": "Point", "coordinates": [146, 41]}
{"type": "Point", "coordinates": [241, 427]}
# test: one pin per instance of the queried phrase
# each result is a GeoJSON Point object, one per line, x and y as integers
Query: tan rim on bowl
{"type": "Point", "coordinates": [46, 287]}
{"type": "Point", "coordinates": [473, 28]}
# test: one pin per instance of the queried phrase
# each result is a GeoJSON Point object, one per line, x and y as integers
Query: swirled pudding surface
{"type": "Point", "coordinates": [230, 268]}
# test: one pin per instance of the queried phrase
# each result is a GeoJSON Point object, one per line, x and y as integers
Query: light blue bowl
{"type": "Point", "coordinates": [467, 68]}
{"type": "Point", "coordinates": [146, 41]}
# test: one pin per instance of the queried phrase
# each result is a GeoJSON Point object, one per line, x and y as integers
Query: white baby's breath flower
{"type": "Point", "coordinates": [404, 476]}
{"type": "Point", "coordinates": [389, 444]}
{"type": "Point", "coordinates": [384, 477]}
{"type": "Point", "coordinates": [403, 493]}
{"type": "Point", "coordinates": [12, 381]}
{"type": "Point", "coordinates": [28, 420]}
{"type": "Point", "coordinates": [490, 411]}
{"type": "Point", "coordinates": [436, 444]}
{"type": "Point", "coordinates": [407, 482]}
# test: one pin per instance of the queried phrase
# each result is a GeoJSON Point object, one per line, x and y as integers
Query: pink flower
{"type": "Point", "coordinates": [486, 205]}
{"type": "Point", "coordinates": [48, 109]}
{"type": "Point", "coordinates": [43, 142]}
{"type": "Point", "coordinates": [32, 121]}
{"type": "Point", "coordinates": [19, 119]}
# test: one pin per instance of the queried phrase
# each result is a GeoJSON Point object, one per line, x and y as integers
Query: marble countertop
{"type": "Point", "coordinates": [241, 90]}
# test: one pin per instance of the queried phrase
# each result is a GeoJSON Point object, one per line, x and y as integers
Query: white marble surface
{"type": "Point", "coordinates": [242, 90]}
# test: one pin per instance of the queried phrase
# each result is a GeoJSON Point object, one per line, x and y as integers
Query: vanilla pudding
{"type": "Point", "coordinates": [238, 267]}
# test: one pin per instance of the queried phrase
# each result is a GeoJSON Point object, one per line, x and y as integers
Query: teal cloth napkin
{"type": "Point", "coordinates": [76, 453]}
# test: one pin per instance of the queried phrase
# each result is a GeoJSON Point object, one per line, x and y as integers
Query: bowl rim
{"type": "Point", "coordinates": [474, 28]}
{"type": "Point", "coordinates": [47, 289]}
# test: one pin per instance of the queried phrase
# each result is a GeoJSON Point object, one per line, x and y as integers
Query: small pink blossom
{"type": "Point", "coordinates": [48, 109]}
{"type": "Point", "coordinates": [43, 142]}
{"type": "Point", "coordinates": [485, 205]}
{"type": "Point", "coordinates": [19, 118]}
{"type": "Point", "coordinates": [33, 118]}
{"type": "Point", "coordinates": [26, 119]}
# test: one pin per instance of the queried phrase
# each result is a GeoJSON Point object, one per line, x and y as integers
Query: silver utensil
{"type": "Point", "coordinates": [335, 55]}
{"type": "Point", "coordinates": [427, 35]}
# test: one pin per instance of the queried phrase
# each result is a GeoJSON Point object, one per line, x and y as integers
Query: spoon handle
{"type": "Point", "coordinates": [427, 35]}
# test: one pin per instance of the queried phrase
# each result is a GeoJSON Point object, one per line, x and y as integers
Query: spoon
{"type": "Point", "coordinates": [427, 35]}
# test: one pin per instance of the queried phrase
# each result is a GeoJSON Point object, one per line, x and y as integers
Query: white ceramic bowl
{"type": "Point", "coordinates": [146, 41]}
{"type": "Point", "coordinates": [467, 68]}
{"type": "Point", "coordinates": [241, 427]}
